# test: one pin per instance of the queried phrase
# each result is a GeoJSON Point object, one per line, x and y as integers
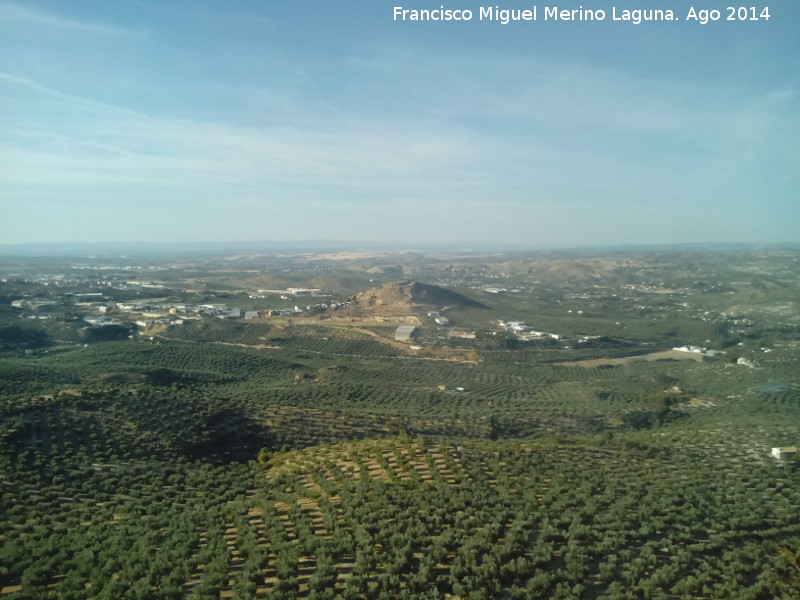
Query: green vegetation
{"type": "Point", "coordinates": [307, 457]}
{"type": "Point", "coordinates": [26, 337]}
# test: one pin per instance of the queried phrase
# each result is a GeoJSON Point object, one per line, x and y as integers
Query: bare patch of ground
{"type": "Point", "coordinates": [261, 346]}
{"type": "Point", "coordinates": [700, 403]}
{"type": "Point", "coordinates": [664, 355]}
{"type": "Point", "coordinates": [348, 255]}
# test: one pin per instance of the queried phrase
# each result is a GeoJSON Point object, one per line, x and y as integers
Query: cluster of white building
{"type": "Point", "coordinates": [698, 350]}
{"type": "Point", "coordinates": [34, 302]}
{"type": "Point", "coordinates": [525, 332]}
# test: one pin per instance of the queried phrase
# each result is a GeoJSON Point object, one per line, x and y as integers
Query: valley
{"type": "Point", "coordinates": [580, 424]}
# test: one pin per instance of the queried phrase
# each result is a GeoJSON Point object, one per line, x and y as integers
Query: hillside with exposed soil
{"type": "Point", "coordinates": [411, 296]}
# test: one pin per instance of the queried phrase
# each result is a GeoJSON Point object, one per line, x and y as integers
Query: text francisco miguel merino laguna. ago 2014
{"type": "Point", "coordinates": [555, 13]}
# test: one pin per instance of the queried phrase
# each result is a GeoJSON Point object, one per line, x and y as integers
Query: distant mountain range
{"type": "Point", "coordinates": [117, 249]}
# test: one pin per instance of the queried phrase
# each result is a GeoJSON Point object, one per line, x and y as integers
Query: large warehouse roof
{"type": "Point", "coordinates": [405, 332]}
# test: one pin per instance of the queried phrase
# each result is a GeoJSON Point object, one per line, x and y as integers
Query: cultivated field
{"type": "Point", "coordinates": [314, 456]}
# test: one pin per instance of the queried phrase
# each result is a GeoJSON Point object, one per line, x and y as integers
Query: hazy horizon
{"type": "Point", "coordinates": [210, 122]}
{"type": "Point", "coordinates": [168, 249]}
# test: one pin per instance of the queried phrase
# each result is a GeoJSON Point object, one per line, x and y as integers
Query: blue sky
{"type": "Point", "coordinates": [301, 120]}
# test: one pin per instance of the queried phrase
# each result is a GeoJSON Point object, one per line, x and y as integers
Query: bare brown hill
{"type": "Point", "coordinates": [410, 296]}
